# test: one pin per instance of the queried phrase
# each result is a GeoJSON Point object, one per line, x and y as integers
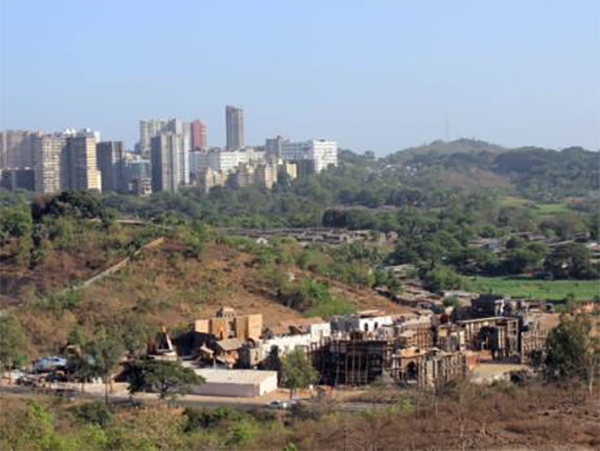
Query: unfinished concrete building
{"type": "Point", "coordinates": [427, 369]}
{"type": "Point", "coordinates": [488, 305]}
{"type": "Point", "coordinates": [450, 338]}
{"type": "Point", "coordinates": [356, 360]}
{"type": "Point", "coordinates": [219, 339]}
{"type": "Point", "coordinates": [417, 333]}
{"type": "Point", "coordinates": [498, 335]}
{"type": "Point", "coordinates": [227, 324]}
{"type": "Point", "coordinates": [534, 331]}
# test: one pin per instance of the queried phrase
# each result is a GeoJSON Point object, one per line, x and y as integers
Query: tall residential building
{"type": "Point", "coordinates": [287, 169]}
{"type": "Point", "coordinates": [178, 126]}
{"type": "Point", "coordinates": [198, 162]}
{"type": "Point", "coordinates": [17, 178]}
{"type": "Point", "coordinates": [3, 151]}
{"type": "Point", "coordinates": [16, 148]}
{"type": "Point", "coordinates": [209, 178]}
{"type": "Point", "coordinates": [148, 130]}
{"type": "Point", "coordinates": [199, 140]}
{"type": "Point", "coordinates": [154, 127]}
{"type": "Point", "coordinates": [111, 163]}
{"type": "Point", "coordinates": [323, 153]}
{"type": "Point", "coordinates": [80, 165]}
{"type": "Point", "coordinates": [138, 168]}
{"type": "Point", "coordinates": [70, 132]}
{"type": "Point", "coordinates": [273, 146]}
{"type": "Point", "coordinates": [234, 121]}
{"type": "Point", "coordinates": [141, 186]}
{"type": "Point", "coordinates": [48, 156]}
{"type": "Point", "coordinates": [265, 175]}
{"type": "Point", "coordinates": [169, 161]}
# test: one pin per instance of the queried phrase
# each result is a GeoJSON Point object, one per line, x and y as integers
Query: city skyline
{"type": "Point", "coordinates": [380, 76]}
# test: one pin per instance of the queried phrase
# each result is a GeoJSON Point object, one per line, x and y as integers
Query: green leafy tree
{"type": "Point", "coordinates": [104, 353]}
{"type": "Point", "coordinates": [33, 429]}
{"type": "Point", "coordinates": [442, 278]}
{"type": "Point", "coordinates": [196, 237]}
{"type": "Point", "coordinates": [135, 337]}
{"type": "Point", "coordinates": [155, 429]}
{"type": "Point", "coordinates": [572, 351]}
{"type": "Point", "coordinates": [451, 301]}
{"type": "Point", "coordinates": [15, 223]}
{"type": "Point", "coordinates": [13, 342]}
{"type": "Point", "coordinates": [297, 371]}
{"type": "Point", "coordinates": [521, 260]}
{"type": "Point", "coordinates": [387, 279]}
{"type": "Point", "coordinates": [570, 261]}
{"type": "Point", "coordinates": [82, 366]}
{"type": "Point", "coordinates": [167, 378]}
{"type": "Point", "coordinates": [81, 204]}
{"type": "Point", "coordinates": [566, 225]}
{"type": "Point", "coordinates": [93, 413]}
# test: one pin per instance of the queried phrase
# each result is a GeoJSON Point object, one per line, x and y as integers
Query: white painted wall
{"type": "Point", "coordinates": [233, 383]}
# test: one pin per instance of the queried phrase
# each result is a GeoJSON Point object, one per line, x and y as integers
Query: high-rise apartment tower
{"type": "Point", "coordinates": [234, 121]}
{"type": "Point", "coordinates": [111, 163]}
{"type": "Point", "coordinates": [199, 140]}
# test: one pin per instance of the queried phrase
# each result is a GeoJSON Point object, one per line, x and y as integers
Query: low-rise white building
{"type": "Point", "coordinates": [289, 335]}
{"type": "Point", "coordinates": [198, 162]}
{"type": "Point", "coordinates": [322, 152]}
{"type": "Point", "coordinates": [229, 160]}
{"type": "Point", "coordinates": [365, 321]}
{"type": "Point", "coordinates": [237, 383]}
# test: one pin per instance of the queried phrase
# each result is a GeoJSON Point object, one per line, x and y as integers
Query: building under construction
{"type": "Point", "coordinates": [431, 368]}
{"type": "Point", "coordinates": [355, 360]}
{"type": "Point", "coordinates": [361, 360]}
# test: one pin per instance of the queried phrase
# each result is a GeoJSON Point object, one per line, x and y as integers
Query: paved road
{"type": "Point", "coordinates": [144, 398]}
{"type": "Point", "coordinates": [185, 401]}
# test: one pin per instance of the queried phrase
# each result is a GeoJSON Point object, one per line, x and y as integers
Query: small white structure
{"type": "Point", "coordinates": [236, 383]}
{"type": "Point", "coordinates": [296, 333]}
{"type": "Point", "coordinates": [365, 321]}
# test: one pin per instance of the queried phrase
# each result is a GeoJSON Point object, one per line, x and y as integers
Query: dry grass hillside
{"type": "Point", "coordinates": [79, 255]}
{"type": "Point", "coordinates": [163, 287]}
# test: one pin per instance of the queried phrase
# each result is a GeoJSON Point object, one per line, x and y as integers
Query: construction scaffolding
{"type": "Point", "coordinates": [428, 369]}
{"type": "Point", "coordinates": [356, 360]}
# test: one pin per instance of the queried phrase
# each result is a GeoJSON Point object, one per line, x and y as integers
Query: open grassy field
{"type": "Point", "coordinates": [537, 289]}
{"type": "Point", "coordinates": [537, 209]}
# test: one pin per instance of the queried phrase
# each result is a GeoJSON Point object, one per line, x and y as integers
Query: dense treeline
{"type": "Point", "coordinates": [437, 222]}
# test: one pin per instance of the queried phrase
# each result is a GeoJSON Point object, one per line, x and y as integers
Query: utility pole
{"type": "Point", "coordinates": [447, 126]}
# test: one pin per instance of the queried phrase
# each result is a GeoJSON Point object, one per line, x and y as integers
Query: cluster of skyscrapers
{"type": "Point", "coordinates": [170, 154]}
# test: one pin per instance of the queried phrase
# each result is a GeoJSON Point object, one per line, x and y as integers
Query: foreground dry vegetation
{"type": "Point", "coordinates": [534, 417]}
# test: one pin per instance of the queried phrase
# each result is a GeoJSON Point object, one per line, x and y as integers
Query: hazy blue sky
{"type": "Point", "coordinates": [374, 76]}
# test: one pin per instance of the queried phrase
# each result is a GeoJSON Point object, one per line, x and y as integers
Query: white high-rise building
{"type": "Point", "coordinates": [322, 152]}
{"type": "Point", "coordinates": [148, 130]}
{"type": "Point", "coordinates": [170, 162]}
{"type": "Point", "coordinates": [153, 127]}
{"type": "Point", "coordinates": [80, 163]}
{"type": "Point", "coordinates": [48, 163]}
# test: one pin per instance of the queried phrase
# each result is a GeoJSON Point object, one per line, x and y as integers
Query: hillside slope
{"type": "Point", "coordinates": [162, 287]}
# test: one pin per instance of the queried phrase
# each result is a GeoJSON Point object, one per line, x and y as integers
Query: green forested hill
{"type": "Point", "coordinates": [532, 172]}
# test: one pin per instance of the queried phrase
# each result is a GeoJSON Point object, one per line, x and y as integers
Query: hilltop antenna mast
{"type": "Point", "coordinates": [447, 127]}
